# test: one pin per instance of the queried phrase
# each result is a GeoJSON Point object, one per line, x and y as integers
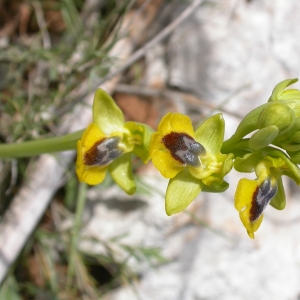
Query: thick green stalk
{"type": "Point", "coordinates": [47, 145]}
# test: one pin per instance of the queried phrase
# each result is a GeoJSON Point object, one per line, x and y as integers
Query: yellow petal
{"type": "Point", "coordinates": [161, 156]}
{"type": "Point", "coordinates": [90, 174]}
{"type": "Point", "coordinates": [162, 159]}
{"type": "Point", "coordinates": [93, 175]}
{"type": "Point", "coordinates": [90, 136]}
{"type": "Point", "coordinates": [245, 191]}
{"type": "Point", "coordinates": [176, 122]}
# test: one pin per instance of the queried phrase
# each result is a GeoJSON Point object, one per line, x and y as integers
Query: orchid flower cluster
{"type": "Point", "coordinates": [198, 160]}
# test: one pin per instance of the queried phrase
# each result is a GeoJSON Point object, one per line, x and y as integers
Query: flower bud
{"type": "Point", "coordinates": [276, 114]}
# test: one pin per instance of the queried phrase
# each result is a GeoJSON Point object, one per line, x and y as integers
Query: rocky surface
{"type": "Point", "coordinates": [233, 50]}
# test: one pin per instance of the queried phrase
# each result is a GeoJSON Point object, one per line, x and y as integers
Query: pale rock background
{"type": "Point", "coordinates": [236, 50]}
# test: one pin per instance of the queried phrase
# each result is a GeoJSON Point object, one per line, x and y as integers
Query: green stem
{"type": "Point", "coordinates": [81, 199]}
{"type": "Point", "coordinates": [48, 145]}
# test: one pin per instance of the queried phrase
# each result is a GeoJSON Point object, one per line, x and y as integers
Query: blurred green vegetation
{"type": "Point", "coordinates": [47, 50]}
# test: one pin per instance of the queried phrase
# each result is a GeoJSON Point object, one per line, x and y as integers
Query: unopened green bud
{"type": "Point", "coordinates": [295, 156]}
{"type": "Point", "coordinates": [290, 95]}
{"type": "Point", "coordinates": [277, 114]}
{"type": "Point", "coordinates": [279, 93]}
{"type": "Point", "coordinates": [295, 137]}
{"type": "Point", "coordinates": [263, 137]}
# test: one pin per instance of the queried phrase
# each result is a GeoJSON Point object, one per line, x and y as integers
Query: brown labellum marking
{"type": "Point", "coordinates": [183, 148]}
{"type": "Point", "coordinates": [261, 198]}
{"type": "Point", "coordinates": [103, 152]}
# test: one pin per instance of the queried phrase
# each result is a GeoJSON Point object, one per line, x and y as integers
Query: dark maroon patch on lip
{"type": "Point", "coordinates": [261, 198]}
{"type": "Point", "coordinates": [93, 157]}
{"type": "Point", "coordinates": [254, 211]}
{"type": "Point", "coordinates": [174, 142]}
{"type": "Point", "coordinates": [103, 152]}
{"type": "Point", "coordinates": [183, 148]}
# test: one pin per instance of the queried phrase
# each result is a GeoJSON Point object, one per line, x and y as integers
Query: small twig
{"type": "Point", "coordinates": [167, 93]}
{"type": "Point", "coordinates": [42, 24]}
{"type": "Point", "coordinates": [14, 176]}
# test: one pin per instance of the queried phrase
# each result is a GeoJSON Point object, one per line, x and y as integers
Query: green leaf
{"type": "Point", "coordinates": [143, 133]}
{"type": "Point", "coordinates": [279, 201]}
{"type": "Point", "coordinates": [121, 172]}
{"type": "Point", "coordinates": [106, 114]}
{"type": "Point", "coordinates": [280, 87]}
{"type": "Point", "coordinates": [263, 137]}
{"type": "Point", "coordinates": [210, 134]}
{"type": "Point", "coordinates": [181, 191]}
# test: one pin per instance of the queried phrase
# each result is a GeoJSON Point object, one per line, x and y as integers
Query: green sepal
{"type": "Point", "coordinates": [279, 201]}
{"type": "Point", "coordinates": [290, 169]}
{"type": "Point", "coordinates": [215, 188]}
{"type": "Point", "coordinates": [106, 114]}
{"type": "Point", "coordinates": [227, 165]}
{"type": "Point", "coordinates": [263, 137]}
{"type": "Point", "coordinates": [143, 133]}
{"type": "Point", "coordinates": [121, 172]}
{"type": "Point", "coordinates": [280, 87]}
{"type": "Point", "coordinates": [248, 162]}
{"type": "Point", "coordinates": [210, 134]}
{"type": "Point", "coordinates": [181, 191]}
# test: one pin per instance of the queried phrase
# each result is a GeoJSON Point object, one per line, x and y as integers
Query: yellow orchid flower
{"type": "Point", "coordinates": [107, 144]}
{"type": "Point", "coordinates": [192, 160]}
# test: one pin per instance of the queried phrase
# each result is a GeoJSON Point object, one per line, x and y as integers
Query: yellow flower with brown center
{"type": "Point", "coordinates": [107, 144]}
{"type": "Point", "coordinates": [192, 160]}
{"type": "Point", "coordinates": [253, 196]}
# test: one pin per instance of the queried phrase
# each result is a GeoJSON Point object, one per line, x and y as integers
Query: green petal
{"type": "Point", "coordinates": [210, 134]}
{"type": "Point", "coordinates": [216, 188]}
{"type": "Point", "coordinates": [106, 114]}
{"type": "Point", "coordinates": [227, 164]}
{"type": "Point", "coordinates": [280, 87]}
{"type": "Point", "coordinates": [142, 133]}
{"type": "Point", "coordinates": [290, 169]}
{"type": "Point", "coordinates": [263, 137]}
{"type": "Point", "coordinates": [181, 191]}
{"type": "Point", "coordinates": [279, 201]}
{"type": "Point", "coordinates": [121, 172]}
{"type": "Point", "coordinates": [247, 163]}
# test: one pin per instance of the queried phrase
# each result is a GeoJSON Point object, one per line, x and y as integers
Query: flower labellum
{"type": "Point", "coordinates": [183, 148]}
{"type": "Point", "coordinates": [262, 196]}
{"type": "Point", "coordinates": [103, 152]}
